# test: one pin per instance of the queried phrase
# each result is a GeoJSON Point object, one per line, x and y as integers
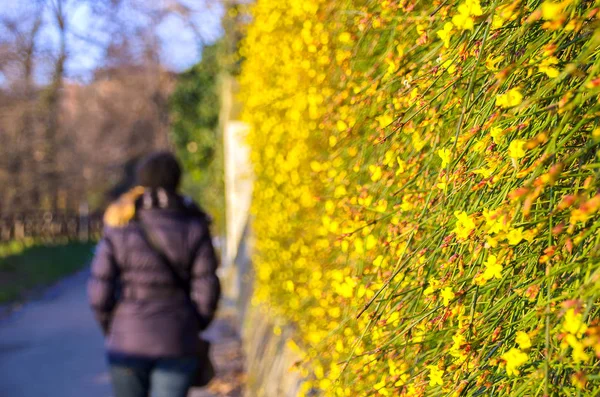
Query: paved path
{"type": "Point", "coordinates": [53, 348]}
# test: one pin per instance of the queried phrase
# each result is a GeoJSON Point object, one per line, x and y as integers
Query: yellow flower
{"type": "Point", "coordinates": [504, 13]}
{"type": "Point", "coordinates": [455, 350]}
{"type": "Point", "coordinates": [389, 158]}
{"type": "Point", "coordinates": [492, 268]}
{"type": "Point", "coordinates": [445, 155]}
{"type": "Point", "coordinates": [381, 206]}
{"type": "Point", "coordinates": [464, 225]}
{"type": "Point", "coordinates": [497, 135]}
{"type": "Point", "coordinates": [341, 125]}
{"type": "Point", "coordinates": [380, 261]}
{"type": "Point", "coordinates": [401, 165]}
{"type": "Point", "coordinates": [380, 387]}
{"type": "Point", "coordinates": [514, 359]}
{"type": "Point", "coordinates": [447, 295]}
{"type": "Point", "coordinates": [345, 289]}
{"type": "Point", "coordinates": [552, 11]}
{"type": "Point", "coordinates": [529, 235]}
{"type": "Point", "coordinates": [458, 340]}
{"type": "Point", "coordinates": [495, 221]}
{"type": "Point", "coordinates": [578, 353]}
{"type": "Point", "coordinates": [446, 33]}
{"type": "Point", "coordinates": [491, 242]}
{"type": "Point", "coordinates": [497, 22]}
{"type": "Point", "coordinates": [376, 172]}
{"type": "Point", "coordinates": [516, 149]}
{"type": "Point", "coordinates": [345, 37]}
{"type": "Point", "coordinates": [484, 172]}
{"type": "Point", "coordinates": [514, 236]}
{"type": "Point", "coordinates": [523, 340]}
{"type": "Point", "coordinates": [546, 67]}
{"type": "Point", "coordinates": [491, 62]}
{"type": "Point", "coordinates": [417, 141]}
{"type": "Point", "coordinates": [511, 98]}
{"type": "Point", "coordinates": [449, 66]}
{"type": "Point", "coordinates": [433, 284]}
{"type": "Point", "coordinates": [435, 375]}
{"type": "Point", "coordinates": [371, 242]}
{"type": "Point", "coordinates": [406, 204]}
{"type": "Point", "coordinates": [385, 120]}
{"type": "Point", "coordinates": [463, 21]}
{"type": "Point", "coordinates": [472, 7]}
{"type": "Point", "coordinates": [573, 323]}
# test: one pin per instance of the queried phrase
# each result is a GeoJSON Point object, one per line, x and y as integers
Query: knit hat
{"type": "Point", "coordinates": [159, 170]}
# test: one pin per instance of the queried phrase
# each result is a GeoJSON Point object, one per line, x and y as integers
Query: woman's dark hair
{"type": "Point", "coordinates": [159, 170]}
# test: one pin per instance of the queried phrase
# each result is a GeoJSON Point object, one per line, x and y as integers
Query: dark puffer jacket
{"type": "Point", "coordinates": [139, 305]}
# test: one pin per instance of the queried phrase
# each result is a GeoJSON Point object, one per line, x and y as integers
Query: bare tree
{"type": "Point", "coordinates": [64, 140]}
{"type": "Point", "coordinates": [19, 47]}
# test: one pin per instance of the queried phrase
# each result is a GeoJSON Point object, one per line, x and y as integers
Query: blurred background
{"type": "Point", "coordinates": [87, 87]}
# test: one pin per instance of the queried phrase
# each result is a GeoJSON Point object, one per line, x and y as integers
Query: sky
{"type": "Point", "coordinates": [180, 44]}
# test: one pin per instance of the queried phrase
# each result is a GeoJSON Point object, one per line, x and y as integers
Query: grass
{"type": "Point", "coordinates": [31, 267]}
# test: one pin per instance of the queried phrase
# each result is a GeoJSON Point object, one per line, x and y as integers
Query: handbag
{"type": "Point", "coordinates": [205, 371]}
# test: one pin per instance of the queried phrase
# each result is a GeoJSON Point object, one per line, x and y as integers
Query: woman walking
{"type": "Point", "coordinates": [153, 286]}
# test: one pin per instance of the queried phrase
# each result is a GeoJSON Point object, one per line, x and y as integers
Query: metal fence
{"type": "Point", "coordinates": [50, 225]}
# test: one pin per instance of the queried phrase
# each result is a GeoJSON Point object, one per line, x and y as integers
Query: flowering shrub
{"type": "Point", "coordinates": [427, 192]}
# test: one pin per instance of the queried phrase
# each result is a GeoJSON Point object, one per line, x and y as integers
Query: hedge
{"type": "Point", "coordinates": [427, 192]}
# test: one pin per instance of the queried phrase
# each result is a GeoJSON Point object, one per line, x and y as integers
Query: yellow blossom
{"type": "Point", "coordinates": [471, 7]}
{"type": "Point", "coordinates": [547, 68]}
{"type": "Point", "coordinates": [435, 375]}
{"type": "Point", "coordinates": [380, 387]}
{"type": "Point", "coordinates": [341, 125]}
{"type": "Point", "coordinates": [492, 268]}
{"type": "Point", "coordinates": [573, 323]}
{"type": "Point", "coordinates": [401, 165]}
{"type": "Point", "coordinates": [463, 21]}
{"type": "Point", "coordinates": [449, 66]}
{"type": "Point", "coordinates": [552, 11]}
{"type": "Point", "coordinates": [492, 62]}
{"type": "Point", "coordinates": [511, 98]}
{"type": "Point", "coordinates": [433, 284]}
{"type": "Point", "coordinates": [491, 242]}
{"type": "Point", "coordinates": [380, 261]}
{"type": "Point", "coordinates": [456, 349]}
{"type": "Point", "coordinates": [516, 149]}
{"type": "Point", "coordinates": [466, 11]}
{"type": "Point", "coordinates": [497, 135]}
{"type": "Point", "coordinates": [464, 225]}
{"type": "Point", "coordinates": [504, 13]}
{"type": "Point", "coordinates": [484, 172]}
{"type": "Point", "coordinates": [385, 120]}
{"type": "Point", "coordinates": [447, 295]}
{"type": "Point", "coordinates": [578, 348]}
{"type": "Point", "coordinates": [389, 158]}
{"type": "Point", "coordinates": [406, 205]}
{"type": "Point", "coordinates": [446, 33]}
{"type": "Point", "coordinates": [445, 156]}
{"type": "Point", "coordinates": [514, 236]}
{"type": "Point", "coordinates": [514, 358]}
{"type": "Point", "coordinates": [376, 172]}
{"type": "Point", "coordinates": [523, 340]}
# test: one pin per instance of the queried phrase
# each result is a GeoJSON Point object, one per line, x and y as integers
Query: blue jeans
{"type": "Point", "coordinates": [139, 377]}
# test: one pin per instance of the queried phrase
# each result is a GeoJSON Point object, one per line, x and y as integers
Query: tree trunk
{"type": "Point", "coordinates": [53, 102]}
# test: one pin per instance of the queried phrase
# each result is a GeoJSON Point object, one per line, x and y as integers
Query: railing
{"type": "Point", "coordinates": [49, 226]}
